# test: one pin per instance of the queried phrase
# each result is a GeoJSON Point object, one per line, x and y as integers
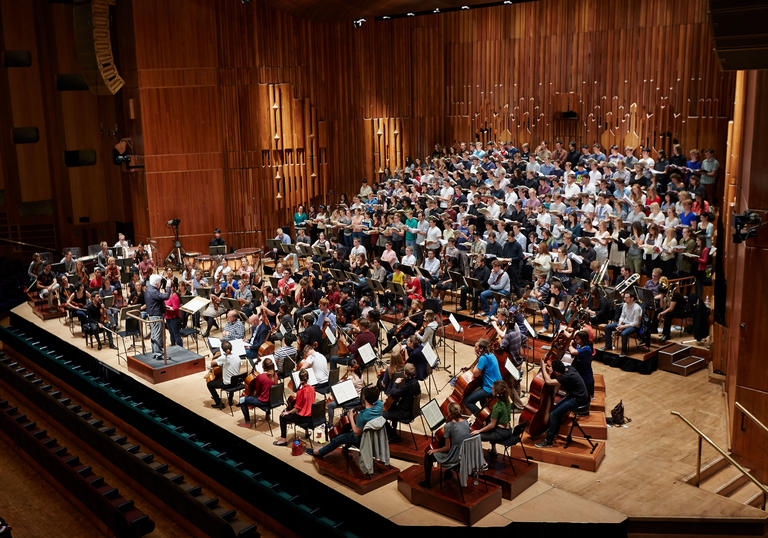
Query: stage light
{"type": "Point", "coordinates": [174, 222]}
{"type": "Point", "coordinates": [464, 7]}
{"type": "Point", "coordinates": [358, 23]}
{"type": "Point", "coordinates": [410, 14]}
{"type": "Point", "coordinates": [437, 10]}
{"type": "Point", "coordinates": [386, 18]}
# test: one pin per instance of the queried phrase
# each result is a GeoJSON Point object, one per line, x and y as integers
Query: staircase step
{"type": "Point", "coordinates": [707, 470]}
{"type": "Point", "coordinates": [756, 500]}
{"type": "Point", "coordinates": [732, 485]}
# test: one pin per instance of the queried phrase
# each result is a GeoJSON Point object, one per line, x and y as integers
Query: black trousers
{"type": "Point", "coordinates": [293, 418]}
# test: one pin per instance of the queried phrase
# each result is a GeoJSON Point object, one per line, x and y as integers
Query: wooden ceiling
{"type": "Point", "coordinates": [330, 10]}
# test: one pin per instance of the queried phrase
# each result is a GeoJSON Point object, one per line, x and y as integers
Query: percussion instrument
{"type": "Point", "coordinates": [190, 258]}
{"type": "Point", "coordinates": [253, 255]}
{"type": "Point", "coordinates": [234, 261]}
{"type": "Point", "coordinates": [205, 263]}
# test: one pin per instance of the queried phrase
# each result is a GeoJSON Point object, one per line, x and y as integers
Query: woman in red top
{"type": "Point", "coordinates": [413, 289]}
{"type": "Point", "coordinates": [259, 396]}
{"type": "Point", "coordinates": [301, 413]}
{"type": "Point", "coordinates": [173, 316]}
{"type": "Point", "coordinates": [701, 263]}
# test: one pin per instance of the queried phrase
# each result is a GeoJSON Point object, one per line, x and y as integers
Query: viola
{"type": "Point", "coordinates": [214, 373]}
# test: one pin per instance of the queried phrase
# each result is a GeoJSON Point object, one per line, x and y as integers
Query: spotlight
{"type": "Point", "coordinates": [174, 222]}
{"type": "Point", "coordinates": [464, 7]}
{"type": "Point", "coordinates": [437, 10]}
{"type": "Point", "coordinates": [410, 14]}
{"type": "Point", "coordinates": [507, 2]}
{"type": "Point", "coordinates": [386, 18]}
{"type": "Point", "coordinates": [358, 23]}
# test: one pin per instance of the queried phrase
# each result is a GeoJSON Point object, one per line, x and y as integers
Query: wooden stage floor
{"type": "Point", "coordinates": [639, 478]}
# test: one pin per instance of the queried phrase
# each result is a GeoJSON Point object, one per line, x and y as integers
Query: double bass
{"type": "Point", "coordinates": [541, 396]}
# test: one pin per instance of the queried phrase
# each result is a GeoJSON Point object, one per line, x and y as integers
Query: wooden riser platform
{"type": "Point", "coordinates": [404, 449]}
{"type": "Point", "coordinates": [42, 311]}
{"type": "Point", "coordinates": [181, 362]}
{"type": "Point", "coordinates": [594, 425]}
{"type": "Point", "coordinates": [345, 469]}
{"type": "Point", "coordinates": [578, 453]}
{"type": "Point", "coordinates": [478, 501]}
{"type": "Point", "coordinates": [514, 476]}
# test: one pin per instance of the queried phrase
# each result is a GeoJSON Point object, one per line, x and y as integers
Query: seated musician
{"type": "Point", "coordinates": [557, 298]}
{"type": "Point", "coordinates": [405, 389]}
{"type": "Point", "coordinates": [233, 329]}
{"type": "Point", "coordinates": [348, 305]}
{"type": "Point", "coordinates": [499, 426]}
{"type": "Point", "coordinates": [498, 282]}
{"type": "Point", "coordinates": [97, 282]}
{"type": "Point", "coordinates": [112, 274]}
{"type": "Point", "coordinates": [413, 354]}
{"type": "Point", "coordinates": [286, 284]}
{"type": "Point", "coordinates": [445, 282]}
{"type": "Point", "coordinates": [456, 430]}
{"type": "Point", "coordinates": [629, 323]}
{"type": "Point", "coordinates": [317, 362]}
{"type": "Point", "coordinates": [325, 314]}
{"type": "Point", "coordinates": [413, 320]}
{"type": "Point", "coordinates": [46, 283]}
{"type": "Point", "coordinates": [430, 328]}
{"type": "Point", "coordinates": [387, 376]}
{"type": "Point", "coordinates": [675, 309]}
{"type": "Point", "coordinates": [510, 342]}
{"type": "Point", "coordinates": [271, 306]}
{"type": "Point", "coordinates": [581, 351]}
{"type": "Point", "coordinates": [77, 302]}
{"type": "Point", "coordinates": [260, 398]}
{"type": "Point", "coordinates": [413, 289]}
{"type": "Point", "coordinates": [373, 409]}
{"type": "Point", "coordinates": [301, 412]}
{"type": "Point", "coordinates": [96, 312]}
{"type": "Point", "coordinates": [481, 272]}
{"type": "Point", "coordinates": [353, 374]}
{"type": "Point", "coordinates": [146, 267]}
{"type": "Point", "coordinates": [487, 369]}
{"type": "Point", "coordinates": [69, 263]}
{"type": "Point", "coordinates": [569, 380]}
{"type": "Point", "coordinates": [431, 265]}
{"type": "Point", "coordinates": [311, 334]}
{"type": "Point", "coordinates": [244, 296]}
{"type": "Point", "coordinates": [600, 309]}
{"type": "Point", "coordinates": [409, 259]}
{"type": "Point", "coordinates": [284, 351]}
{"type": "Point", "coordinates": [259, 333]}
{"type": "Point", "coordinates": [365, 336]}
{"type": "Point", "coordinates": [230, 367]}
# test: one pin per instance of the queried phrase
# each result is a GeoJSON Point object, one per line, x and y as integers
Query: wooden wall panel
{"type": "Point", "coordinates": [20, 33]}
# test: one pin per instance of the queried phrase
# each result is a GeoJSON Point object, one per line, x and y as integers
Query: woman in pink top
{"type": "Point", "coordinates": [173, 315]}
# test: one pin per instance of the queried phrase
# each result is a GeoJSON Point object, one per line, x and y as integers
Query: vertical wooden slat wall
{"type": "Point", "coordinates": [354, 101]}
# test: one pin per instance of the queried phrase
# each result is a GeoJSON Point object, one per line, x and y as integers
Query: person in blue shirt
{"type": "Point", "coordinates": [373, 409]}
{"type": "Point", "coordinates": [581, 351]}
{"type": "Point", "coordinates": [487, 368]}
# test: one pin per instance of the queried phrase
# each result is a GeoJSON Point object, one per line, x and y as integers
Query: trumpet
{"type": "Point", "coordinates": [625, 285]}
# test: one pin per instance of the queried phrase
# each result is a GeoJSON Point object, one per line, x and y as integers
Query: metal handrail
{"type": "Point", "coordinates": [750, 415]}
{"type": "Point", "coordinates": [733, 462]}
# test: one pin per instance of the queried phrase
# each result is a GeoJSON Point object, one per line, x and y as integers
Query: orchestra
{"type": "Point", "coordinates": [545, 238]}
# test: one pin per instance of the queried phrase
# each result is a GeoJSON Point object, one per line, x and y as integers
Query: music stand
{"type": "Point", "coordinates": [217, 250]}
{"type": "Point", "coordinates": [274, 243]}
{"type": "Point", "coordinates": [386, 266]}
{"type": "Point", "coordinates": [304, 250]}
{"type": "Point", "coordinates": [433, 415]}
{"type": "Point", "coordinates": [477, 287]}
{"type": "Point", "coordinates": [407, 269]}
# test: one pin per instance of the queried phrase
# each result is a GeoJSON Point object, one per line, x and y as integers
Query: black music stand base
{"type": "Point", "coordinates": [575, 424]}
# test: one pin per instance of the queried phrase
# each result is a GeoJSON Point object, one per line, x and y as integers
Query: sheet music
{"type": "Point", "coordinates": [312, 379]}
{"type": "Point", "coordinates": [454, 323]}
{"type": "Point", "coordinates": [195, 304]}
{"type": "Point", "coordinates": [429, 354]}
{"type": "Point", "coordinates": [432, 414]}
{"type": "Point", "coordinates": [531, 332]}
{"type": "Point", "coordinates": [238, 347]}
{"type": "Point", "coordinates": [214, 343]}
{"type": "Point", "coordinates": [367, 354]}
{"type": "Point", "coordinates": [260, 364]}
{"type": "Point", "coordinates": [283, 329]}
{"type": "Point", "coordinates": [344, 392]}
{"type": "Point", "coordinates": [330, 335]}
{"type": "Point", "coordinates": [512, 369]}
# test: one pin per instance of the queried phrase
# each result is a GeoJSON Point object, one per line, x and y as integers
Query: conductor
{"type": "Point", "coordinates": [155, 301]}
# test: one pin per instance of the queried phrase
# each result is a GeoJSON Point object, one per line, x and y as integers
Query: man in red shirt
{"type": "Point", "coordinates": [97, 282]}
{"type": "Point", "coordinates": [365, 336]}
{"type": "Point", "coordinates": [145, 267]}
{"type": "Point", "coordinates": [301, 414]}
{"type": "Point", "coordinates": [259, 396]}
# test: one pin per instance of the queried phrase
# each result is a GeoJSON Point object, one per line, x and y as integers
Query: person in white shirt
{"type": "Point", "coordinates": [409, 259]}
{"type": "Point", "coordinates": [317, 362]}
{"type": "Point", "coordinates": [432, 241]}
{"type": "Point", "coordinates": [230, 367]}
{"type": "Point", "coordinates": [543, 220]}
{"type": "Point", "coordinates": [557, 205]}
{"type": "Point", "coordinates": [494, 209]}
{"type": "Point", "coordinates": [121, 247]}
{"type": "Point", "coordinates": [629, 323]}
{"type": "Point", "coordinates": [446, 195]}
{"type": "Point", "coordinates": [510, 197]}
{"type": "Point", "coordinates": [357, 249]}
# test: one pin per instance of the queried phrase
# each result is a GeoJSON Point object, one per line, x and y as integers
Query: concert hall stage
{"type": "Point", "coordinates": [638, 480]}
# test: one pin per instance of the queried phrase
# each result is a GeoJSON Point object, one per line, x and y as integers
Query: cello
{"type": "Point", "coordinates": [541, 396]}
{"type": "Point", "coordinates": [268, 347]}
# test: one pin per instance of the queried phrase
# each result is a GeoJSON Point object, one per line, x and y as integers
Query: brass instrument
{"type": "Point", "coordinates": [625, 285]}
{"type": "Point", "coordinates": [598, 278]}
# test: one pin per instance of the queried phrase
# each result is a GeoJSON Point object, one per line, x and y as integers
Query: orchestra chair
{"type": "Point", "coordinates": [131, 330]}
{"type": "Point", "coordinates": [333, 378]}
{"type": "Point", "coordinates": [237, 384]}
{"type": "Point", "coordinates": [317, 417]}
{"type": "Point", "coordinates": [471, 461]}
{"type": "Point", "coordinates": [193, 332]}
{"type": "Point", "coordinates": [415, 412]}
{"type": "Point", "coordinates": [289, 363]}
{"type": "Point", "coordinates": [374, 445]}
{"type": "Point", "coordinates": [516, 437]}
{"type": "Point", "coordinates": [276, 399]}
{"type": "Point", "coordinates": [581, 411]}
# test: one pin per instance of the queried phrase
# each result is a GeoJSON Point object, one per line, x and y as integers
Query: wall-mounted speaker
{"type": "Point", "coordinates": [26, 135]}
